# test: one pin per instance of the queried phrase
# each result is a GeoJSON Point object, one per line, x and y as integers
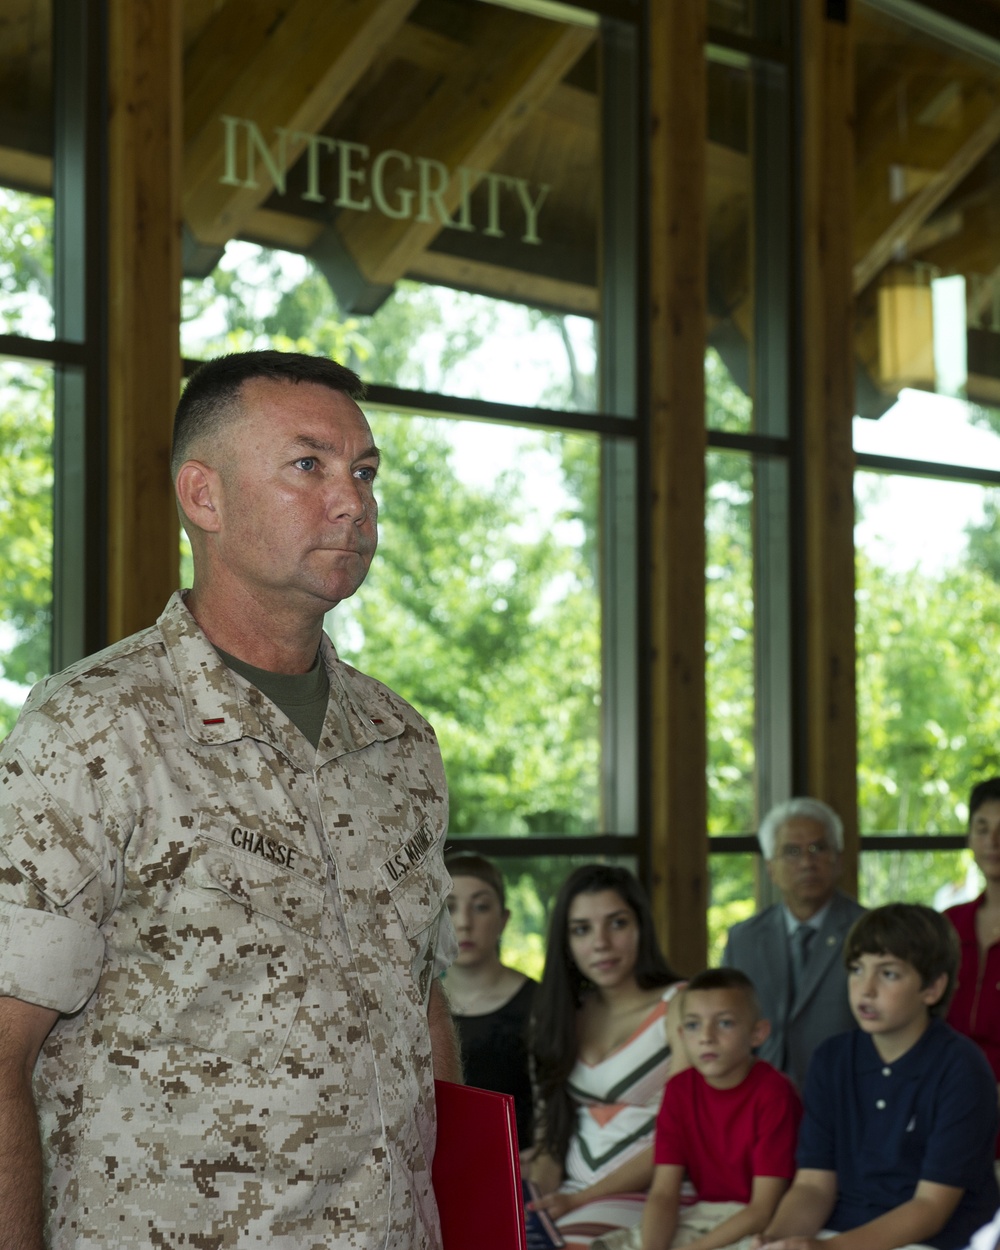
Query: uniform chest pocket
{"type": "Point", "coordinates": [418, 896]}
{"type": "Point", "coordinates": [235, 951]}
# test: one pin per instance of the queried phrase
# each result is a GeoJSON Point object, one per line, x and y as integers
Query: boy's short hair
{"type": "Point", "coordinates": [914, 933]}
{"type": "Point", "coordinates": [724, 979]}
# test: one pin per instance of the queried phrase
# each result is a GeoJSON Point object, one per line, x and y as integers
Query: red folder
{"type": "Point", "coordinates": [477, 1172]}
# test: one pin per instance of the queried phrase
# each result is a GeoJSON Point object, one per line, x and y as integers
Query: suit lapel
{"type": "Point", "coordinates": [775, 958]}
{"type": "Point", "coordinates": [823, 954]}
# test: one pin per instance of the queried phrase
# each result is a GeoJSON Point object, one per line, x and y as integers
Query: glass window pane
{"type": "Point", "coordinates": [26, 171]}
{"type": "Point", "coordinates": [422, 338]}
{"type": "Point", "coordinates": [729, 649]}
{"type": "Point", "coordinates": [928, 603]}
{"type": "Point", "coordinates": [927, 225]}
{"type": "Point", "coordinates": [26, 425]}
{"type": "Point", "coordinates": [730, 15]}
{"type": "Point", "coordinates": [447, 229]}
{"type": "Point", "coordinates": [728, 363]}
{"type": "Point", "coordinates": [732, 898]}
{"type": "Point", "coordinates": [482, 609]}
{"type": "Point", "coordinates": [748, 244]}
{"type": "Point", "coordinates": [939, 879]}
{"type": "Point", "coordinates": [933, 428]}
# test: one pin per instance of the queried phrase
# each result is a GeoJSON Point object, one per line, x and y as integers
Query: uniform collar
{"type": "Point", "coordinates": [221, 707]}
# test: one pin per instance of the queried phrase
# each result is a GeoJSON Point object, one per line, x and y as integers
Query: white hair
{"type": "Point", "coordinates": [811, 809]}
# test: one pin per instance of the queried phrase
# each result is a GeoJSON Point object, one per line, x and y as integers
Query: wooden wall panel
{"type": "Point", "coordinates": [677, 799]}
{"type": "Point", "coordinates": [827, 338]}
{"type": "Point", "coordinates": [144, 275]}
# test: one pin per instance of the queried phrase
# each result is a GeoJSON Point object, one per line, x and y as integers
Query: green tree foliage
{"type": "Point", "coordinates": [729, 658]}
{"type": "Point", "coordinates": [25, 527]}
{"type": "Point", "coordinates": [25, 263]}
{"type": "Point", "coordinates": [487, 621]}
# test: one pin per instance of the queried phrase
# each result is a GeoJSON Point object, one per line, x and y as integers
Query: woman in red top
{"type": "Point", "coordinates": [975, 1008]}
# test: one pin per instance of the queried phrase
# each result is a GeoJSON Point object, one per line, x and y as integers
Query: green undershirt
{"type": "Point", "coordinates": [301, 696]}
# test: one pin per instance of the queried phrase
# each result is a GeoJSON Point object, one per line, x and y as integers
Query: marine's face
{"type": "Point", "coordinates": [805, 866]}
{"type": "Point", "coordinates": [297, 512]}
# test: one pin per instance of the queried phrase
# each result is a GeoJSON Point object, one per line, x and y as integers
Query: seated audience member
{"type": "Point", "coordinates": [896, 1143]}
{"type": "Point", "coordinates": [728, 1123]}
{"type": "Point", "coordinates": [490, 1003]}
{"type": "Point", "coordinates": [792, 950]}
{"type": "Point", "coordinates": [975, 1009]}
{"type": "Point", "coordinates": [604, 1040]}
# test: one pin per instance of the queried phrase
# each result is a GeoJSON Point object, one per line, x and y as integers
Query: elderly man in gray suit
{"type": "Point", "coordinates": [792, 950]}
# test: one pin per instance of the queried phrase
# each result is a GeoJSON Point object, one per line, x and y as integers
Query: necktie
{"type": "Point", "coordinates": [801, 938]}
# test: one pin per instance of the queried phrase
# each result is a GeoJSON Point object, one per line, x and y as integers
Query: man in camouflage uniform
{"type": "Point", "coordinates": [221, 883]}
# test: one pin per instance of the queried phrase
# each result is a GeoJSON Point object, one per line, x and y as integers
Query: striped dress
{"type": "Point", "coordinates": [617, 1101]}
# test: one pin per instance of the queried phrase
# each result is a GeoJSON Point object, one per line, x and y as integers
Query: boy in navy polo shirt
{"type": "Point", "coordinates": [896, 1145]}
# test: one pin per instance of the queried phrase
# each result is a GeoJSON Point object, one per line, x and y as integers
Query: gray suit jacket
{"type": "Point", "coordinates": [759, 947]}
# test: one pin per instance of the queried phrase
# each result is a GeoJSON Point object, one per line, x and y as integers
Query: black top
{"type": "Point", "coordinates": [495, 1054]}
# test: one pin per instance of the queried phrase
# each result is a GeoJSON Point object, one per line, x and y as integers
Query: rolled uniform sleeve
{"type": "Point", "coordinates": [55, 884]}
{"type": "Point", "coordinates": [50, 960]}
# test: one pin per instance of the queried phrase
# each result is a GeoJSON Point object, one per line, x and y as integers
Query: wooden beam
{"type": "Point", "coordinates": [914, 213]}
{"type": "Point", "coordinates": [25, 171]}
{"type": "Point", "coordinates": [511, 65]}
{"type": "Point", "coordinates": [827, 363]}
{"type": "Point", "coordinates": [287, 231]}
{"type": "Point", "coordinates": [298, 234]}
{"type": "Point", "coordinates": [278, 64]}
{"type": "Point", "coordinates": [677, 800]}
{"type": "Point", "coordinates": [502, 283]}
{"type": "Point", "coordinates": [144, 278]}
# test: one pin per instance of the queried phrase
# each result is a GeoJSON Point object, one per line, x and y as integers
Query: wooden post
{"type": "Point", "coordinates": [144, 276]}
{"type": "Point", "coordinates": [677, 802]}
{"type": "Point", "coordinates": [826, 95]}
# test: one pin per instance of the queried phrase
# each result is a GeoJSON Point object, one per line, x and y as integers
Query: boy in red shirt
{"type": "Point", "coordinates": [728, 1124]}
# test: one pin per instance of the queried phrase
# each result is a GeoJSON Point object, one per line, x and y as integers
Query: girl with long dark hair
{"type": "Point", "coordinates": [604, 1040]}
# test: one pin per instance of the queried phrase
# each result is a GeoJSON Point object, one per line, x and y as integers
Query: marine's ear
{"type": "Point", "coordinates": [198, 493]}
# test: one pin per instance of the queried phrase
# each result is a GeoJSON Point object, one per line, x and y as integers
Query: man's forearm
{"type": "Point", "coordinates": [444, 1041]}
{"type": "Point", "coordinates": [21, 1217]}
{"type": "Point", "coordinates": [23, 1029]}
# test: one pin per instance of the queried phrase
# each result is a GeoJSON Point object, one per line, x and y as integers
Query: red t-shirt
{"type": "Point", "coordinates": [726, 1137]}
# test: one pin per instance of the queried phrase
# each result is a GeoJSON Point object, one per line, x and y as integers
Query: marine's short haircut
{"type": "Point", "coordinates": [725, 979]}
{"type": "Point", "coordinates": [810, 809]}
{"type": "Point", "coordinates": [982, 792]}
{"type": "Point", "coordinates": [481, 868]}
{"type": "Point", "coordinates": [918, 935]}
{"type": "Point", "coordinates": [211, 398]}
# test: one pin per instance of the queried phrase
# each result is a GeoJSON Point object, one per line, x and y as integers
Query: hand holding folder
{"type": "Point", "coordinates": [477, 1174]}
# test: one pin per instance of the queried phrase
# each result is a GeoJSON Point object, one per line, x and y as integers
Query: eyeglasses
{"type": "Point", "coordinates": [793, 852]}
